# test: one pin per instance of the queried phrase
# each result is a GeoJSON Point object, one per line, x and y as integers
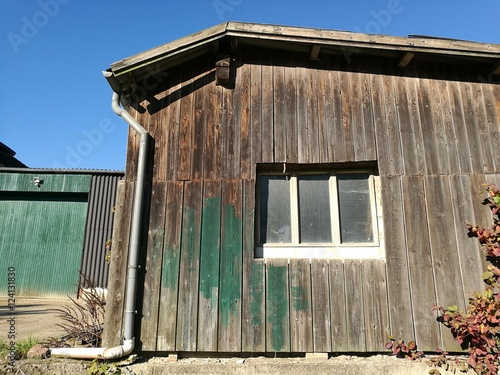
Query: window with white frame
{"type": "Point", "coordinates": [319, 214]}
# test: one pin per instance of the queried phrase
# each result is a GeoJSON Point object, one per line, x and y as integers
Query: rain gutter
{"type": "Point", "coordinates": [127, 347]}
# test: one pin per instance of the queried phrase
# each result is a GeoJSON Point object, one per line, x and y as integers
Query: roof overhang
{"type": "Point", "coordinates": [122, 74]}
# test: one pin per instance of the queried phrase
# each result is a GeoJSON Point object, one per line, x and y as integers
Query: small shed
{"type": "Point", "coordinates": [308, 189]}
{"type": "Point", "coordinates": [55, 224]}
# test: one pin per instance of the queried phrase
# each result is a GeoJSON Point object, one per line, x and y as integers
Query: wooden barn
{"type": "Point", "coordinates": [306, 190]}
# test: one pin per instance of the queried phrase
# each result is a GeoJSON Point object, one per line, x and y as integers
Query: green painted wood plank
{"type": "Point", "coordinates": [301, 331]}
{"type": "Point", "coordinates": [253, 301]}
{"type": "Point", "coordinates": [230, 291]}
{"type": "Point", "coordinates": [167, 320]}
{"type": "Point", "coordinates": [277, 306]}
{"type": "Point", "coordinates": [209, 267]}
{"type": "Point", "coordinates": [187, 308]}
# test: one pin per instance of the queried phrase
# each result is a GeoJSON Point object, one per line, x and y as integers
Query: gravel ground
{"type": "Point", "coordinates": [30, 317]}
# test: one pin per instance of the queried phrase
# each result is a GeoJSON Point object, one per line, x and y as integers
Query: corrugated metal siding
{"type": "Point", "coordinates": [98, 228]}
{"type": "Point", "coordinates": [41, 232]}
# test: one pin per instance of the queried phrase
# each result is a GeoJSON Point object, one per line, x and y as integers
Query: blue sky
{"type": "Point", "coordinates": [55, 104]}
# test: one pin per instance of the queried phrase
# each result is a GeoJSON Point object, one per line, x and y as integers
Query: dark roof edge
{"type": "Point", "coordinates": [6, 149]}
{"type": "Point", "coordinates": [62, 171]}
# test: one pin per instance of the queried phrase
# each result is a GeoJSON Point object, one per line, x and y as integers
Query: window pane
{"type": "Point", "coordinates": [274, 211]}
{"type": "Point", "coordinates": [355, 208]}
{"type": "Point", "coordinates": [314, 209]}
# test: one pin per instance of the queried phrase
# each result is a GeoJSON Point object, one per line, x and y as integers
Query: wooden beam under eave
{"type": "Point", "coordinates": [215, 47]}
{"type": "Point", "coordinates": [314, 52]}
{"type": "Point", "coordinates": [496, 68]}
{"type": "Point", "coordinates": [223, 72]}
{"type": "Point", "coordinates": [405, 59]}
{"type": "Point", "coordinates": [234, 44]}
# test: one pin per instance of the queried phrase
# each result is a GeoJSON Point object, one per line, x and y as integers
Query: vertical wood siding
{"type": "Point", "coordinates": [431, 130]}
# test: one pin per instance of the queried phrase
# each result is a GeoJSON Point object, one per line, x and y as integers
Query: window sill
{"type": "Point", "coordinates": [320, 252]}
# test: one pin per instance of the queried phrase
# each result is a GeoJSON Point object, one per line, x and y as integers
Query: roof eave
{"type": "Point", "coordinates": [169, 50]}
{"type": "Point", "coordinates": [189, 47]}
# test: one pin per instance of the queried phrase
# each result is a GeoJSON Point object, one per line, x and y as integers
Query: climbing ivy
{"type": "Point", "coordinates": [477, 329]}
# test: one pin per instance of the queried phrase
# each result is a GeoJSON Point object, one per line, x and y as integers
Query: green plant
{"type": "Point", "coordinates": [102, 368]}
{"type": "Point", "coordinates": [4, 348]}
{"type": "Point", "coordinates": [402, 350]}
{"type": "Point", "coordinates": [23, 346]}
{"type": "Point", "coordinates": [477, 329]}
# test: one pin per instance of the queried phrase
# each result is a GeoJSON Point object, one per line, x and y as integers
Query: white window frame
{"type": "Point", "coordinates": [335, 249]}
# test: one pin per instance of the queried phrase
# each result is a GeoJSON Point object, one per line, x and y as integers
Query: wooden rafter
{"type": "Point", "coordinates": [496, 68]}
{"type": "Point", "coordinates": [405, 59]}
{"type": "Point", "coordinates": [314, 52]}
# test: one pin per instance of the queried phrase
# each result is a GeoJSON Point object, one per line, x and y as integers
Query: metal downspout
{"type": "Point", "coordinates": [133, 260]}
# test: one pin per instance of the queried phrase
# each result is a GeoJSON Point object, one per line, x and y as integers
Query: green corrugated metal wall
{"type": "Point", "coordinates": [41, 232]}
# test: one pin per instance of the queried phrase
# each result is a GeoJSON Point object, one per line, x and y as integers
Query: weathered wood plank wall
{"type": "Point", "coordinates": [433, 139]}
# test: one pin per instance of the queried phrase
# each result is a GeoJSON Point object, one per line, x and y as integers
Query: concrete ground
{"type": "Point", "coordinates": [341, 365]}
